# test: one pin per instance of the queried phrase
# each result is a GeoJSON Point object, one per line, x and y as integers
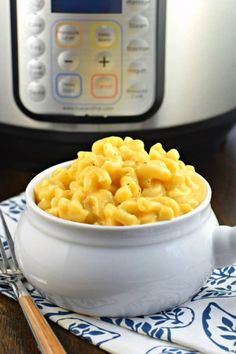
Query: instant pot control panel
{"type": "Point", "coordinates": [88, 59]}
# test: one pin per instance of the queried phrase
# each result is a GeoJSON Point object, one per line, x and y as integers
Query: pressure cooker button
{"type": "Point", "coordinates": [137, 91]}
{"type": "Point", "coordinates": [104, 86]}
{"type": "Point", "coordinates": [36, 24]}
{"type": "Point", "coordinates": [105, 36]}
{"type": "Point", "coordinates": [137, 69]}
{"type": "Point", "coordinates": [36, 46]}
{"type": "Point", "coordinates": [104, 61]}
{"type": "Point", "coordinates": [37, 5]}
{"type": "Point", "coordinates": [68, 60]}
{"type": "Point", "coordinates": [138, 25]}
{"type": "Point", "coordinates": [36, 91]}
{"type": "Point", "coordinates": [138, 5]}
{"type": "Point", "coordinates": [68, 36]}
{"type": "Point", "coordinates": [69, 86]}
{"type": "Point", "coordinates": [36, 69]}
{"type": "Point", "coordinates": [137, 47]}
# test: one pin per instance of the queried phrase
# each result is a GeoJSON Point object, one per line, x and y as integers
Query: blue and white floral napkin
{"type": "Point", "coordinates": [205, 324]}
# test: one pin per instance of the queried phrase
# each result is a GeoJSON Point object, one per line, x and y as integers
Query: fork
{"type": "Point", "coordinates": [12, 276]}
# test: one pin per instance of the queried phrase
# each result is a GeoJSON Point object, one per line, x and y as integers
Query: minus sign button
{"type": "Point", "coordinates": [68, 60]}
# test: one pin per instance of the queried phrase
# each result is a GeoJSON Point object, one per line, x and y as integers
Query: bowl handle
{"type": "Point", "coordinates": [224, 245]}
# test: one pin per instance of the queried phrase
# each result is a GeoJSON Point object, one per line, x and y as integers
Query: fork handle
{"type": "Point", "coordinates": [47, 341]}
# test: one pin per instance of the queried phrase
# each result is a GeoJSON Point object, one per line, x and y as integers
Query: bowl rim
{"type": "Point", "coordinates": [51, 218]}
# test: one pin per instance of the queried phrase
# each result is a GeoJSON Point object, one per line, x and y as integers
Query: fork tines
{"type": "Point", "coordinates": [4, 261]}
{"type": "Point", "coordinates": [10, 243]}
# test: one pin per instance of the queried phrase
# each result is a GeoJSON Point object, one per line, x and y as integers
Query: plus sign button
{"type": "Point", "coordinates": [104, 61]}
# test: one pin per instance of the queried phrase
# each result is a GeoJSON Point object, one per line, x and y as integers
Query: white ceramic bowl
{"type": "Point", "coordinates": [120, 271]}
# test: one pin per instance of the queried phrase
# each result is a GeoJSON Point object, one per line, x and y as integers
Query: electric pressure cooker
{"type": "Point", "coordinates": [72, 72]}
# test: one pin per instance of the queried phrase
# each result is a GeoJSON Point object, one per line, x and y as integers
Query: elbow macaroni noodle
{"type": "Point", "coordinates": [119, 183]}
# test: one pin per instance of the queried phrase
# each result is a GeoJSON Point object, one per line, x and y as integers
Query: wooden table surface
{"type": "Point", "coordinates": [219, 170]}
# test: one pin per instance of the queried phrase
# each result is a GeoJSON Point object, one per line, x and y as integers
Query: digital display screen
{"type": "Point", "coordinates": [87, 6]}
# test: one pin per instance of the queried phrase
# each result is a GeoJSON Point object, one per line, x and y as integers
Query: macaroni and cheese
{"type": "Point", "coordinates": [120, 183]}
